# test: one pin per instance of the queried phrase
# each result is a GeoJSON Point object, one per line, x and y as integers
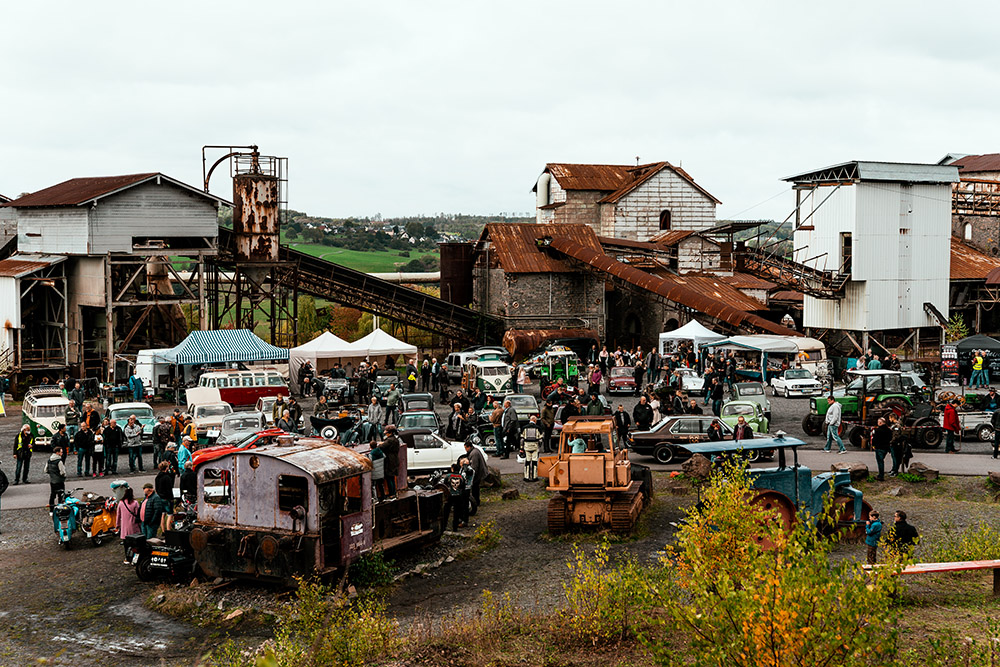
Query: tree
{"type": "Point", "coordinates": [291, 234]}
{"type": "Point", "coordinates": [308, 320]}
{"type": "Point", "coordinates": [414, 229]}
{"type": "Point", "coordinates": [344, 322]}
{"type": "Point", "coordinates": [956, 330]}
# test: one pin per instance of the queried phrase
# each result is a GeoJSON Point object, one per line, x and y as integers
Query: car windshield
{"type": "Point", "coordinates": [241, 424]}
{"type": "Point", "coordinates": [737, 409]}
{"type": "Point", "coordinates": [418, 421]}
{"type": "Point", "coordinates": [47, 411]}
{"type": "Point", "coordinates": [420, 404]}
{"type": "Point", "coordinates": [140, 414]}
{"type": "Point", "coordinates": [495, 370]}
{"type": "Point", "coordinates": [622, 372]}
{"type": "Point", "coordinates": [751, 390]}
{"type": "Point", "coordinates": [213, 411]}
{"type": "Point", "coordinates": [799, 374]}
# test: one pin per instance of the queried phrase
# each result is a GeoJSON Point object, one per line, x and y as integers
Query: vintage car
{"type": "Point", "coordinates": [426, 419]}
{"type": "Point", "coordinates": [383, 381]}
{"type": "Point", "coordinates": [338, 391]}
{"type": "Point", "coordinates": [238, 425]}
{"type": "Point", "coordinates": [120, 412]}
{"type": "Point", "coordinates": [796, 382]}
{"type": "Point", "coordinates": [557, 427]}
{"type": "Point", "coordinates": [524, 405]}
{"type": "Point", "coordinates": [490, 375]}
{"type": "Point", "coordinates": [421, 402]}
{"type": "Point", "coordinates": [751, 391]}
{"type": "Point", "coordinates": [749, 410]}
{"type": "Point", "coordinates": [240, 388]}
{"type": "Point", "coordinates": [208, 420]}
{"type": "Point", "coordinates": [429, 452]}
{"type": "Point", "coordinates": [266, 405]}
{"type": "Point", "coordinates": [621, 380]}
{"type": "Point", "coordinates": [304, 507]}
{"type": "Point", "coordinates": [44, 409]}
{"type": "Point", "coordinates": [690, 380]}
{"type": "Point", "coordinates": [249, 441]}
{"type": "Point", "coordinates": [664, 440]}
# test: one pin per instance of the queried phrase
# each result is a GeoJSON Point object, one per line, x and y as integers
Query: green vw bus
{"type": "Point", "coordinates": [44, 409]}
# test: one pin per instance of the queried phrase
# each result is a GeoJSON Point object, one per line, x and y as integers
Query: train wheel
{"type": "Point", "coordinates": [841, 514]}
{"type": "Point", "coordinates": [782, 509]}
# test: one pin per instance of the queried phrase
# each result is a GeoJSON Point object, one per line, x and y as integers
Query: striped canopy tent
{"type": "Point", "coordinates": [224, 346]}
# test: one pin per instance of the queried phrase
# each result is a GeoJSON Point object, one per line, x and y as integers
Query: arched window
{"type": "Point", "coordinates": [664, 220]}
{"type": "Point", "coordinates": [967, 231]}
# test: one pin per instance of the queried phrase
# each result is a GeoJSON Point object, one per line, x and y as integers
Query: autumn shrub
{"type": "Point", "coordinates": [734, 603]}
{"type": "Point", "coordinates": [979, 541]}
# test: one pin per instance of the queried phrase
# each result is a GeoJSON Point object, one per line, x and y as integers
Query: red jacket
{"type": "Point", "coordinates": [950, 418]}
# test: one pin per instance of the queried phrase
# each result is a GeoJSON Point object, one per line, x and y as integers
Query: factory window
{"type": "Point", "coordinates": [293, 490]}
{"type": "Point", "coordinates": [967, 231]}
{"type": "Point", "coordinates": [664, 220]}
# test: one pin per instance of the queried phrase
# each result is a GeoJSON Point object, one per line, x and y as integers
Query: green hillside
{"type": "Point", "coordinates": [381, 261]}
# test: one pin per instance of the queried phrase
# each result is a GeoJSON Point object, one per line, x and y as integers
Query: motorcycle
{"type": "Point", "coordinates": [170, 557]}
{"type": "Point", "coordinates": [66, 516]}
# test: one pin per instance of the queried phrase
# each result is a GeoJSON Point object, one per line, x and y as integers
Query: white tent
{"type": "Point", "coordinates": [323, 351]}
{"type": "Point", "coordinates": [379, 344]}
{"type": "Point", "coordinates": [694, 331]}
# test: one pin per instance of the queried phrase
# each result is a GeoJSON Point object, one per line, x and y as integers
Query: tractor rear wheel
{"type": "Point", "coordinates": [857, 436]}
{"type": "Point", "coordinates": [812, 425]}
{"type": "Point", "coordinates": [782, 509]}
{"type": "Point", "coordinates": [841, 518]}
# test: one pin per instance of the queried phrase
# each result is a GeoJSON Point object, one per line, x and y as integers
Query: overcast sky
{"type": "Point", "coordinates": [419, 107]}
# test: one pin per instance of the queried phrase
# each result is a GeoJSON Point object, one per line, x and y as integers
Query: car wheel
{"type": "Point", "coordinates": [985, 433]}
{"type": "Point", "coordinates": [786, 393]}
{"type": "Point", "coordinates": [753, 455]}
{"type": "Point", "coordinates": [490, 442]}
{"type": "Point", "coordinates": [664, 454]}
{"type": "Point", "coordinates": [328, 432]}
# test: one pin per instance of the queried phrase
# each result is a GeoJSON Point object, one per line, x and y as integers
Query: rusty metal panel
{"type": "Point", "coordinates": [671, 237]}
{"type": "Point", "coordinates": [15, 267]}
{"type": "Point", "coordinates": [967, 263]}
{"type": "Point", "coordinates": [977, 163]}
{"type": "Point", "coordinates": [515, 245]}
{"type": "Point", "coordinates": [256, 219]}
{"type": "Point", "coordinates": [78, 190]}
{"type": "Point", "coordinates": [608, 177]}
{"type": "Point", "coordinates": [522, 341]}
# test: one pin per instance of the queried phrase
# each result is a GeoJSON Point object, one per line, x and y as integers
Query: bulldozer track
{"type": "Point", "coordinates": [557, 515]}
{"type": "Point", "coordinates": [625, 509]}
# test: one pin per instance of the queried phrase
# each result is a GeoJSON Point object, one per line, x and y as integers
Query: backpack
{"type": "Point", "coordinates": [52, 467]}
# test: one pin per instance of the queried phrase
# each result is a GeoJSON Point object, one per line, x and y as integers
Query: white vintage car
{"type": "Point", "coordinates": [690, 380]}
{"type": "Point", "coordinates": [428, 452]}
{"type": "Point", "coordinates": [796, 382]}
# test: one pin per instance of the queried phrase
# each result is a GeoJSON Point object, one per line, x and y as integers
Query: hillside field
{"type": "Point", "coordinates": [385, 261]}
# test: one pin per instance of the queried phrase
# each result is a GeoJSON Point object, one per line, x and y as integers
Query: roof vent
{"type": "Point", "coordinates": [286, 440]}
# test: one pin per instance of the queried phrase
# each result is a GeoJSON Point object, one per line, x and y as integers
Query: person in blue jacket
{"type": "Point", "coordinates": [873, 531]}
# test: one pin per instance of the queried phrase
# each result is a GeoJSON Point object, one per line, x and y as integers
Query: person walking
{"type": "Point", "coordinates": [716, 396]}
{"type": "Point", "coordinates": [83, 443]}
{"type": "Point", "coordinates": [622, 423]}
{"type": "Point", "coordinates": [951, 426]}
{"type": "Point", "coordinates": [24, 442]}
{"type": "Point", "coordinates": [478, 464]}
{"type": "Point", "coordinates": [510, 430]}
{"type": "Point", "coordinates": [881, 443]}
{"type": "Point", "coordinates": [127, 515]}
{"type": "Point", "coordinates": [832, 423]}
{"type": "Point", "coordinates": [133, 443]}
{"type": "Point", "coordinates": [530, 439]}
{"type": "Point", "coordinates": [873, 531]}
{"type": "Point", "coordinates": [56, 470]}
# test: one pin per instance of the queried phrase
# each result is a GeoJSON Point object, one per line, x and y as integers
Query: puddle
{"type": "Point", "coordinates": [112, 644]}
{"type": "Point", "coordinates": [137, 635]}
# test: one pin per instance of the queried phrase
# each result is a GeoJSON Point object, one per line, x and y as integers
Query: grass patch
{"type": "Point", "coordinates": [381, 261]}
{"type": "Point", "coordinates": [193, 604]}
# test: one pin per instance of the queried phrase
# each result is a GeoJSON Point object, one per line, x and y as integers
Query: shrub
{"type": "Point", "coordinates": [373, 569]}
{"type": "Point", "coordinates": [979, 541]}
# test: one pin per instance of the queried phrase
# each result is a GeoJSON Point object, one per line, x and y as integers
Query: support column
{"type": "Point", "coordinates": [864, 342]}
{"type": "Point", "coordinates": [109, 318]}
{"type": "Point", "coordinates": [202, 300]}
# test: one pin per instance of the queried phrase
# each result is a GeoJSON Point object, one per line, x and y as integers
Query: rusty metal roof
{"type": "Point", "coordinates": [671, 237]}
{"type": "Point", "coordinates": [974, 163]}
{"type": "Point", "coordinates": [967, 263]}
{"type": "Point", "coordinates": [684, 292]}
{"type": "Point", "coordinates": [324, 461]}
{"type": "Point", "coordinates": [717, 288]}
{"type": "Point", "coordinates": [741, 280]}
{"type": "Point", "coordinates": [787, 295]}
{"type": "Point", "coordinates": [4, 199]}
{"type": "Point", "coordinates": [522, 341]}
{"type": "Point", "coordinates": [19, 266]}
{"type": "Point", "coordinates": [79, 191]}
{"type": "Point", "coordinates": [515, 245]}
{"type": "Point", "coordinates": [616, 179]}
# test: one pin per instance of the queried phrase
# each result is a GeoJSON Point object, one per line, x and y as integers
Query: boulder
{"type": "Point", "coordinates": [896, 491]}
{"type": "Point", "coordinates": [858, 470]}
{"type": "Point", "coordinates": [922, 469]}
{"type": "Point", "coordinates": [995, 477]}
{"type": "Point", "coordinates": [697, 467]}
{"type": "Point", "coordinates": [510, 494]}
{"type": "Point", "coordinates": [493, 480]}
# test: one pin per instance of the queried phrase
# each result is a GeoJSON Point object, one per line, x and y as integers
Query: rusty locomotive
{"type": "Point", "coordinates": [303, 506]}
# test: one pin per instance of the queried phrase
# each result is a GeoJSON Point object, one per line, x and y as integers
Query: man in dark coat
{"type": "Point", "coordinates": [743, 430]}
{"type": "Point", "coordinates": [478, 464]}
{"type": "Point", "coordinates": [114, 438]}
{"type": "Point", "coordinates": [903, 537]}
{"type": "Point", "coordinates": [642, 413]}
{"type": "Point", "coordinates": [622, 423]}
{"type": "Point", "coordinates": [511, 430]}
{"type": "Point", "coordinates": [390, 447]}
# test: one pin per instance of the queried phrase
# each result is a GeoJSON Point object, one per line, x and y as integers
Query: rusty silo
{"type": "Point", "coordinates": [456, 272]}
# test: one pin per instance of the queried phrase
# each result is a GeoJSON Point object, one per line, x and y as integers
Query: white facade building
{"type": "Point", "coordinates": [888, 227]}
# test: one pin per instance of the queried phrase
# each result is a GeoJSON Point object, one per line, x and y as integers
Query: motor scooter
{"type": "Point", "coordinates": [170, 557]}
{"type": "Point", "coordinates": [100, 515]}
{"type": "Point", "coordinates": [66, 516]}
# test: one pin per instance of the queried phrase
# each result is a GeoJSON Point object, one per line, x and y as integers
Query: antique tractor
{"type": "Point", "coordinates": [597, 487]}
{"type": "Point", "coordinates": [793, 491]}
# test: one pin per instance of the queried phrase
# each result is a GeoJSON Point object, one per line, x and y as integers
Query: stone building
{"type": "Point", "coordinates": [976, 201]}
{"type": "Point", "coordinates": [517, 281]}
{"type": "Point", "coordinates": [625, 202]}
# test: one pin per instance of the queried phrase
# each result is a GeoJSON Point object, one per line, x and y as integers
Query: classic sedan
{"type": "Point", "coordinates": [412, 419]}
{"type": "Point", "coordinates": [663, 439]}
{"type": "Point", "coordinates": [428, 452]}
{"type": "Point", "coordinates": [690, 380]}
{"type": "Point", "coordinates": [621, 380]}
{"type": "Point", "coordinates": [120, 412]}
{"type": "Point", "coordinates": [751, 391]}
{"type": "Point", "coordinates": [750, 411]}
{"type": "Point", "coordinates": [796, 382]}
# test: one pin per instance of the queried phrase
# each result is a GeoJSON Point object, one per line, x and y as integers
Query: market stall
{"type": "Point", "coordinates": [378, 345]}
{"type": "Point", "coordinates": [772, 351]}
{"type": "Point", "coordinates": [322, 352]}
{"type": "Point", "coordinates": [693, 331]}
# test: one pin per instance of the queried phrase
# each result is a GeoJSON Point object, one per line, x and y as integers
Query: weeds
{"type": "Point", "coordinates": [373, 570]}
{"type": "Point", "coordinates": [486, 536]}
{"type": "Point", "coordinates": [980, 541]}
{"type": "Point", "coordinates": [910, 477]}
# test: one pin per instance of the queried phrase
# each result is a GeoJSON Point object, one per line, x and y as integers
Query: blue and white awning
{"type": "Point", "coordinates": [216, 347]}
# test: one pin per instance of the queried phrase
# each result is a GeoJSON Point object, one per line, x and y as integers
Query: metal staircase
{"type": "Point", "coordinates": [791, 274]}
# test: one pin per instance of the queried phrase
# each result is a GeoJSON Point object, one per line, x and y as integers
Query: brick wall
{"type": "Point", "coordinates": [637, 215]}
{"type": "Point", "coordinates": [985, 232]}
{"type": "Point", "coordinates": [581, 208]}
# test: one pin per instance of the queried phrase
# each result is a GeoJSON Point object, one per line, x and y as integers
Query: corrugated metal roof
{"type": "Point", "coordinates": [515, 245]}
{"type": "Point", "coordinates": [741, 280]}
{"type": "Point", "coordinates": [787, 295]}
{"type": "Point", "coordinates": [4, 199]}
{"type": "Point", "coordinates": [671, 237]}
{"type": "Point", "coordinates": [717, 288]}
{"type": "Point", "coordinates": [79, 191]}
{"type": "Point", "coordinates": [22, 265]}
{"type": "Point", "coordinates": [973, 163]}
{"type": "Point", "coordinates": [325, 462]}
{"type": "Point", "coordinates": [899, 172]}
{"type": "Point", "coordinates": [683, 292]}
{"type": "Point", "coordinates": [967, 263]}
{"type": "Point", "coordinates": [616, 179]}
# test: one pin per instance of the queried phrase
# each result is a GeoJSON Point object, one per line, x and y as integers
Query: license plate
{"type": "Point", "coordinates": [64, 524]}
{"type": "Point", "coordinates": [135, 558]}
{"type": "Point", "coordinates": [213, 433]}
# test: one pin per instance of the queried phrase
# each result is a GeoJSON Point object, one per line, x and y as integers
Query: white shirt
{"type": "Point", "coordinates": [833, 414]}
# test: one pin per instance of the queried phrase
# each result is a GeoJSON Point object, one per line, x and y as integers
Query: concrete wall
{"type": "Point", "coordinates": [85, 276]}
{"type": "Point", "coordinates": [637, 214]}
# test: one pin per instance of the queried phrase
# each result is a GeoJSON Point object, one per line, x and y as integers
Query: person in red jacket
{"type": "Point", "coordinates": [950, 427]}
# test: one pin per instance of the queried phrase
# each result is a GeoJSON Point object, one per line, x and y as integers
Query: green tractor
{"type": "Point", "coordinates": [867, 396]}
{"type": "Point", "coordinates": [559, 363]}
